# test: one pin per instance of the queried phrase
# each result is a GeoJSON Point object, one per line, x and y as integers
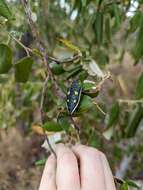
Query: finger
{"type": "Point", "coordinates": [48, 181]}
{"type": "Point", "coordinates": [109, 180]}
{"type": "Point", "coordinates": [91, 171]}
{"type": "Point", "coordinates": [67, 169]}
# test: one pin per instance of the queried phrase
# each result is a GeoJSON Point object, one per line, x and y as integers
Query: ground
{"type": "Point", "coordinates": [17, 157]}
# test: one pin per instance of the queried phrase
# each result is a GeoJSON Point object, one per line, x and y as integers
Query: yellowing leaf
{"type": "Point", "coordinates": [70, 45]}
{"type": "Point", "coordinates": [38, 129]}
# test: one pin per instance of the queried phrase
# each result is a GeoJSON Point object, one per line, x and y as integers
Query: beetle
{"type": "Point", "coordinates": [73, 96]}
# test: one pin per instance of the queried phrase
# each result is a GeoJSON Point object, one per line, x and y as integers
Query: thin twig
{"type": "Point", "coordinates": [50, 146]}
{"type": "Point", "coordinates": [42, 97]}
{"type": "Point", "coordinates": [42, 50]}
{"type": "Point", "coordinates": [130, 101]}
{"type": "Point", "coordinates": [99, 108]}
{"type": "Point", "coordinates": [27, 50]}
{"type": "Point", "coordinates": [40, 45]}
{"type": "Point", "coordinates": [42, 111]}
{"type": "Point", "coordinates": [107, 76]}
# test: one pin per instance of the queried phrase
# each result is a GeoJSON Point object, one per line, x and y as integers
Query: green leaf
{"type": "Point", "coordinates": [113, 115]}
{"type": "Point", "coordinates": [52, 126]}
{"type": "Point", "coordinates": [108, 29]}
{"type": "Point", "coordinates": [5, 58]}
{"type": "Point", "coordinates": [101, 57]}
{"type": "Point", "coordinates": [92, 93]}
{"type": "Point", "coordinates": [40, 162]}
{"type": "Point", "coordinates": [57, 69]}
{"type": "Point", "coordinates": [89, 89]}
{"type": "Point", "coordinates": [135, 21]}
{"type": "Point", "coordinates": [84, 2]}
{"type": "Point", "coordinates": [85, 104]}
{"type": "Point", "coordinates": [83, 75]}
{"type": "Point", "coordinates": [4, 10]}
{"type": "Point", "coordinates": [117, 15]}
{"type": "Point", "coordinates": [23, 69]}
{"type": "Point", "coordinates": [98, 27]}
{"type": "Point", "coordinates": [70, 45]}
{"type": "Point", "coordinates": [134, 120]}
{"type": "Point", "coordinates": [88, 85]}
{"type": "Point", "coordinates": [132, 184]}
{"type": "Point", "coordinates": [139, 88]}
{"type": "Point", "coordinates": [63, 121]}
{"type": "Point", "coordinates": [138, 48]}
{"type": "Point", "coordinates": [124, 186]}
{"type": "Point", "coordinates": [73, 72]}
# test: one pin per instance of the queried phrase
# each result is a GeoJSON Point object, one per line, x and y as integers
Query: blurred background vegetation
{"type": "Point", "coordinates": [83, 40]}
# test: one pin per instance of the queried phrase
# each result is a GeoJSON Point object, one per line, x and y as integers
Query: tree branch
{"type": "Point", "coordinates": [40, 45]}
{"type": "Point", "coordinates": [44, 56]}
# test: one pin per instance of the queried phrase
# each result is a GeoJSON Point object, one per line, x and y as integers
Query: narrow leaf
{"type": "Point", "coordinates": [135, 21]}
{"type": "Point", "coordinates": [117, 15]}
{"type": "Point", "coordinates": [139, 89]}
{"type": "Point", "coordinates": [132, 184]}
{"type": "Point", "coordinates": [138, 48]}
{"type": "Point", "coordinates": [113, 115]}
{"type": "Point", "coordinates": [98, 27]}
{"type": "Point", "coordinates": [108, 29]}
{"type": "Point", "coordinates": [134, 120]}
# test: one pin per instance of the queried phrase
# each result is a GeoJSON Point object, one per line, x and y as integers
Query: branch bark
{"type": "Point", "coordinates": [41, 46]}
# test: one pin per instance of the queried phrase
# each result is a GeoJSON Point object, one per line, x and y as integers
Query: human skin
{"type": "Point", "coordinates": [77, 168]}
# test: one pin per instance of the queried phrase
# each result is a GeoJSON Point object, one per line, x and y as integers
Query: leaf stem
{"type": "Point", "coordinates": [27, 50]}
{"type": "Point", "coordinates": [99, 108]}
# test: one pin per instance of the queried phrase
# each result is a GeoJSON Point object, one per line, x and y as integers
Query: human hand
{"type": "Point", "coordinates": [63, 173]}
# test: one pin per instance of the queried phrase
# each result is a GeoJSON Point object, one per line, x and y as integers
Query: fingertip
{"type": "Point", "coordinates": [82, 149]}
{"type": "Point", "coordinates": [49, 174]}
{"type": "Point", "coordinates": [90, 165]}
{"type": "Point", "coordinates": [79, 147]}
{"type": "Point", "coordinates": [102, 155]}
{"type": "Point", "coordinates": [59, 147]}
{"type": "Point", "coordinates": [51, 159]}
{"type": "Point", "coordinates": [67, 162]}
